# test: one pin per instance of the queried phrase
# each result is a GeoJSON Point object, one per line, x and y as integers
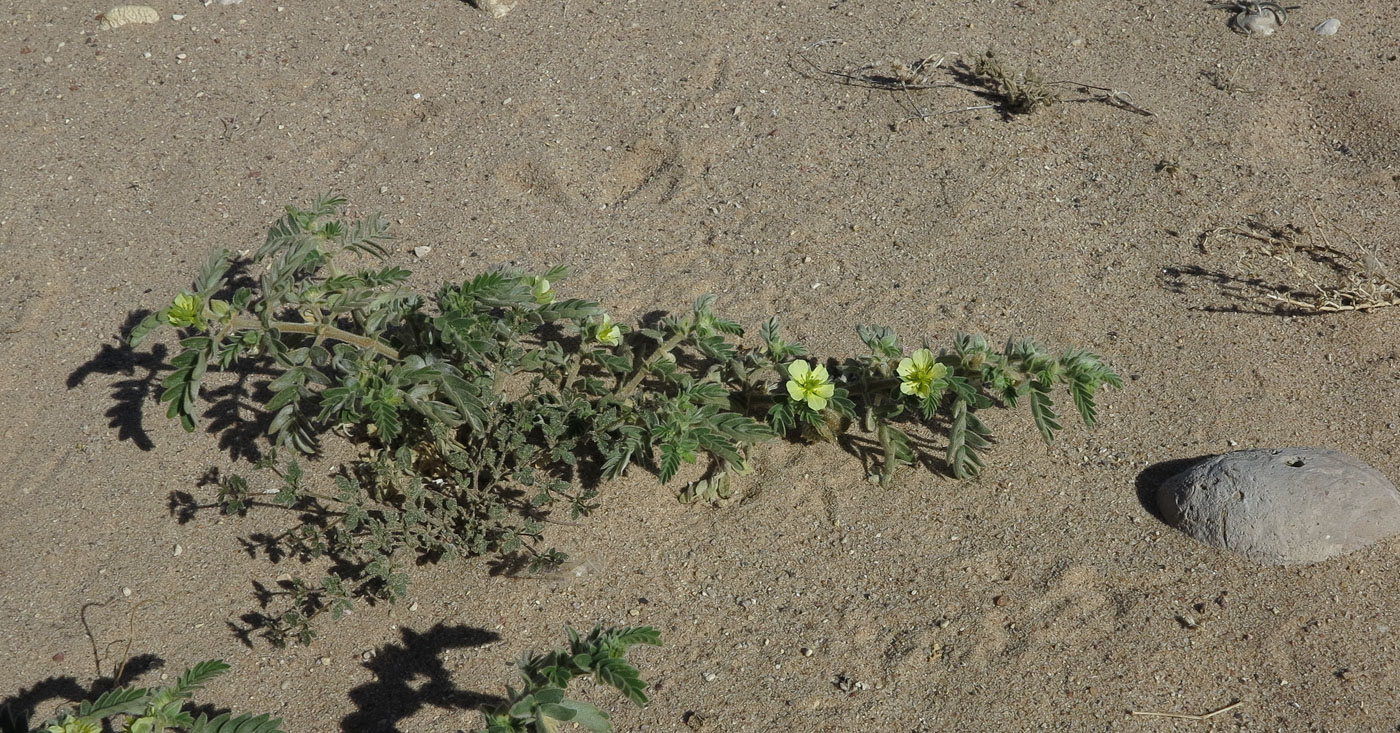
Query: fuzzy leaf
{"type": "Point", "coordinates": [966, 435]}
{"type": "Point", "coordinates": [144, 328]}
{"type": "Point", "coordinates": [1043, 410]}
{"type": "Point", "coordinates": [616, 672]}
{"type": "Point", "coordinates": [241, 724]}
{"type": "Point", "coordinates": [588, 716]}
{"type": "Point", "coordinates": [197, 676]}
{"type": "Point", "coordinates": [121, 701]}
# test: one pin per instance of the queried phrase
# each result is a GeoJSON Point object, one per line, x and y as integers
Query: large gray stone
{"type": "Point", "coordinates": [1282, 507]}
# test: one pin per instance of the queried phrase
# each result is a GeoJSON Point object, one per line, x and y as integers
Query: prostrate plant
{"type": "Point", "coordinates": [540, 706]}
{"type": "Point", "coordinates": [150, 711]}
{"type": "Point", "coordinates": [490, 404]}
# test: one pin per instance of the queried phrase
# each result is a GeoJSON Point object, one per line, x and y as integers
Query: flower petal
{"type": "Point", "coordinates": [819, 373]}
{"type": "Point", "coordinates": [816, 401]}
{"type": "Point", "coordinates": [798, 370]}
{"type": "Point", "coordinates": [795, 391]}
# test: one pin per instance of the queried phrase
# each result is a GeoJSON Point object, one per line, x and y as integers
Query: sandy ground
{"type": "Point", "coordinates": [670, 149]}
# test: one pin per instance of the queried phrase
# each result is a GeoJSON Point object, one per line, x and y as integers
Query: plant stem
{"type": "Point", "coordinates": [322, 330]}
{"type": "Point", "coordinates": [886, 471]}
{"type": "Point", "coordinates": [661, 351]}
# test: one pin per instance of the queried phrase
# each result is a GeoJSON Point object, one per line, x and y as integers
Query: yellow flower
{"type": "Point", "coordinates": [187, 310]}
{"type": "Point", "coordinates": [541, 291]}
{"type": "Point", "coordinates": [810, 385]}
{"type": "Point", "coordinates": [607, 332]}
{"type": "Point", "coordinates": [918, 372]}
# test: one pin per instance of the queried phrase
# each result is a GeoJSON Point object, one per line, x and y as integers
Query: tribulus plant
{"type": "Point", "coordinates": [540, 705]}
{"type": "Point", "coordinates": [496, 401]}
{"type": "Point", "coordinates": [143, 710]}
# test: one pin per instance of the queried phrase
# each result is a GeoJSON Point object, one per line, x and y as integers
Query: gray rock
{"type": "Point", "coordinates": [1282, 507]}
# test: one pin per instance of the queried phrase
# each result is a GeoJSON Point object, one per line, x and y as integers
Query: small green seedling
{"type": "Point", "coordinates": [541, 706]}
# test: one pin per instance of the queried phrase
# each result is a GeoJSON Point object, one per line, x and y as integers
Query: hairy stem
{"type": "Point", "coordinates": [886, 447]}
{"type": "Point", "coordinates": [662, 350]}
{"type": "Point", "coordinates": [323, 330]}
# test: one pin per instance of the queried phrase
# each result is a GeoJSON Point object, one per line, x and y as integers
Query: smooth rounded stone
{"type": "Point", "coordinates": [1282, 507]}
{"type": "Point", "coordinates": [1328, 27]}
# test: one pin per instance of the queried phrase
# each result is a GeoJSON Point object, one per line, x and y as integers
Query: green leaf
{"type": "Point", "coordinates": [200, 674]}
{"type": "Point", "coordinates": [556, 711]}
{"type": "Point", "coordinates": [572, 309]}
{"type": "Point", "coordinates": [121, 701]}
{"type": "Point", "coordinates": [1043, 410]}
{"type": "Point", "coordinates": [225, 723]}
{"type": "Point", "coordinates": [630, 636]}
{"type": "Point", "coordinates": [966, 435]}
{"type": "Point", "coordinates": [386, 419]}
{"type": "Point", "coordinates": [742, 428]}
{"type": "Point", "coordinates": [143, 329]}
{"type": "Point", "coordinates": [588, 716]}
{"type": "Point", "coordinates": [212, 272]}
{"type": "Point", "coordinates": [1085, 372]}
{"type": "Point", "coordinates": [618, 673]}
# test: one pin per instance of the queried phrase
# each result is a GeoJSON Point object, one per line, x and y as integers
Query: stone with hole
{"type": "Point", "coordinates": [1287, 506]}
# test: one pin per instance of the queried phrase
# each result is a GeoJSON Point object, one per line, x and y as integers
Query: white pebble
{"type": "Point", "coordinates": [126, 591]}
{"type": "Point", "coordinates": [1328, 27]}
{"type": "Point", "coordinates": [711, 676]}
{"type": "Point", "coordinates": [178, 551]}
{"type": "Point", "coordinates": [421, 252]}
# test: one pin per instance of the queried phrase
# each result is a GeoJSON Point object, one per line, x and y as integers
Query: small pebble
{"type": "Point", "coordinates": [413, 606]}
{"type": "Point", "coordinates": [710, 676]}
{"type": "Point", "coordinates": [178, 551]}
{"type": "Point", "coordinates": [325, 661]}
{"type": "Point", "coordinates": [1328, 27]}
{"type": "Point", "coordinates": [421, 252]}
{"type": "Point", "coordinates": [126, 591]}
{"type": "Point", "coordinates": [1001, 600]}
{"type": "Point", "coordinates": [806, 652]}
{"type": "Point", "coordinates": [497, 8]}
{"type": "Point", "coordinates": [58, 657]}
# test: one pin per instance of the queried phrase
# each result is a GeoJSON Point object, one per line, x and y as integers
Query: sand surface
{"type": "Point", "coordinates": [670, 149]}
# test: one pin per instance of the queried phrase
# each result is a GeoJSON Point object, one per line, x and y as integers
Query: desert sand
{"type": "Point", "coordinates": [670, 149]}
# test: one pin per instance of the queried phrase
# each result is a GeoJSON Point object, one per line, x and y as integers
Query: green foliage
{"type": "Point", "coordinates": [494, 402]}
{"type": "Point", "coordinates": [541, 705]}
{"type": "Point", "coordinates": [144, 710]}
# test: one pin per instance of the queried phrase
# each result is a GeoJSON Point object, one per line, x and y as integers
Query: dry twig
{"type": "Point", "coordinates": [1188, 716]}
{"type": "Point", "coordinates": [1012, 92]}
{"type": "Point", "coordinates": [1367, 283]}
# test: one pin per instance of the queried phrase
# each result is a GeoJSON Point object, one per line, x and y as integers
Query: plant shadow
{"type": "Point", "coordinates": [18, 711]}
{"type": "Point", "coordinates": [1252, 295]}
{"type": "Point", "coordinates": [144, 370]}
{"type": "Point", "coordinates": [411, 675]}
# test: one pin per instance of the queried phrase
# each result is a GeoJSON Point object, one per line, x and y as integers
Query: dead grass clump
{"type": "Point", "coordinates": [1325, 278]}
